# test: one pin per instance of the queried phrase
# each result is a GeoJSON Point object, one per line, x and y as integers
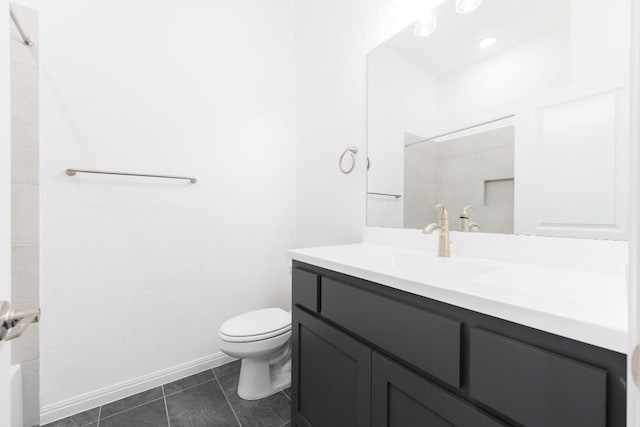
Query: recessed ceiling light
{"type": "Point", "coordinates": [488, 42]}
{"type": "Point", "coordinates": [467, 6]}
{"type": "Point", "coordinates": [425, 26]}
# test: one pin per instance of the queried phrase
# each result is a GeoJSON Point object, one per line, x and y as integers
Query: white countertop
{"type": "Point", "coordinates": [585, 306]}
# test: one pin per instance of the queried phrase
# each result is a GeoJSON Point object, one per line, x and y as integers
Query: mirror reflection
{"type": "Point", "coordinates": [470, 172]}
{"type": "Point", "coordinates": [518, 109]}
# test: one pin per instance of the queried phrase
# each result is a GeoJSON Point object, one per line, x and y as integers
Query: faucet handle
{"type": "Point", "coordinates": [474, 226]}
{"type": "Point", "coordinates": [444, 215]}
{"type": "Point", "coordinates": [465, 212]}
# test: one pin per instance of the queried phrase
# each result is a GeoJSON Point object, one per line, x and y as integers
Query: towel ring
{"type": "Point", "coordinates": [353, 151]}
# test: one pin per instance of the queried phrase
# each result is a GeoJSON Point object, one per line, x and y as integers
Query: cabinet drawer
{"type": "Point", "coordinates": [534, 387]}
{"type": "Point", "coordinates": [400, 398]}
{"type": "Point", "coordinates": [428, 341]}
{"type": "Point", "coordinates": [306, 289]}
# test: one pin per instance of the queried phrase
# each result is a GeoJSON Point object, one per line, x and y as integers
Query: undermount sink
{"type": "Point", "coordinates": [413, 263]}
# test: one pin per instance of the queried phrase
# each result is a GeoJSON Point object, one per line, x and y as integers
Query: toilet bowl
{"type": "Point", "coordinates": [262, 340]}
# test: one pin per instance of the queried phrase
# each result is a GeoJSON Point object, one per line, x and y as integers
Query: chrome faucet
{"type": "Point", "coordinates": [465, 223]}
{"type": "Point", "coordinates": [443, 227]}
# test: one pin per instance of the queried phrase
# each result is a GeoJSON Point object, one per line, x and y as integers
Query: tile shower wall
{"type": "Point", "coordinates": [474, 170]}
{"type": "Point", "coordinates": [25, 203]}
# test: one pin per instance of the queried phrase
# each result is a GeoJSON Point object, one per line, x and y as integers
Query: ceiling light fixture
{"type": "Point", "coordinates": [488, 42]}
{"type": "Point", "coordinates": [425, 26]}
{"type": "Point", "coordinates": [467, 6]}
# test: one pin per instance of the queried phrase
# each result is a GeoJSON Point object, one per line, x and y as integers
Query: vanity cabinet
{"type": "Point", "coordinates": [366, 354]}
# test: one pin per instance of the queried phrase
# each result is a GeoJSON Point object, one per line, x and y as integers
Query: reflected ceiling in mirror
{"type": "Point", "coordinates": [437, 92]}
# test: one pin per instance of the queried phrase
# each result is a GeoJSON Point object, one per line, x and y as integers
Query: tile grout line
{"type": "Point", "coordinates": [151, 401]}
{"type": "Point", "coordinates": [288, 423]}
{"type": "Point", "coordinates": [164, 396]}
{"type": "Point", "coordinates": [226, 398]}
{"type": "Point", "coordinates": [128, 409]}
{"type": "Point", "coordinates": [190, 387]}
{"type": "Point", "coordinates": [166, 408]}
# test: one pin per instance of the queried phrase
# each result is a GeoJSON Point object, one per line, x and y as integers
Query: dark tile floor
{"type": "Point", "coordinates": [207, 399]}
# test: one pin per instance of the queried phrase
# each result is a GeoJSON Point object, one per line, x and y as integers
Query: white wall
{"type": "Point", "coordinates": [587, 120]}
{"type": "Point", "coordinates": [402, 98]}
{"type": "Point", "coordinates": [601, 57]}
{"type": "Point", "coordinates": [334, 37]}
{"type": "Point", "coordinates": [494, 87]}
{"type": "Point", "coordinates": [571, 55]}
{"type": "Point", "coordinates": [138, 274]}
{"type": "Point", "coordinates": [333, 40]}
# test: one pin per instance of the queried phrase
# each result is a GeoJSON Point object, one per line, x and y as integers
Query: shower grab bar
{"type": "Point", "coordinates": [26, 40]}
{"type": "Point", "coordinates": [397, 196]}
{"type": "Point", "coordinates": [72, 172]}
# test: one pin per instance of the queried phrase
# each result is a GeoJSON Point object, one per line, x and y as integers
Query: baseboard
{"type": "Point", "coordinates": [84, 402]}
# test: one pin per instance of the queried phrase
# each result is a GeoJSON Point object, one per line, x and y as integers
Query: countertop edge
{"type": "Point", "coordinates": [599, 336]}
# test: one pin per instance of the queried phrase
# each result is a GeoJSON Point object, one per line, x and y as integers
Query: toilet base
{"type": "Point", "coordinates": [260, 378]}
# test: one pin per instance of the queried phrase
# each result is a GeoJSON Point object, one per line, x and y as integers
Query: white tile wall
{"type": "Point", "coordinates": [23, 75]}
{"type": "Point", "coordinates": [25, 192]}
{"type": "Point", "coordinates": [27, 347]}
{"type": "Point", "coordinates": [19, 53]}
{"type": "Point", "coordinates": [24, 135]}
{"type": "Point", "coordinates": [25, 273]}
{"type": "Point", "coordinates": [24, 213]}
{"type": "Point", "coordinates": [24, 105]}
{"type": "Point", "coordinates": [420, 184]}
{"type": "Point", "coordinates": [24, 164]}
{"type": "Point", "coordinates": [461, 172]}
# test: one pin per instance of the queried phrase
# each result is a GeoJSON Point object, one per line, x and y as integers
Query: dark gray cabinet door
{"type": "Point", "coordinates": [401, 398]}
{"type": "Point", "coordinates": [331, 378]}
{"type": "Point", "coordinates": [426, 340]}
{"type": "Point", "coordinates": [534, 387]}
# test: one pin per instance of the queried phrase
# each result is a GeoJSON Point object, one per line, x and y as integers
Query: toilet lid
{"type": "Point", "coordinates": [258, 322]}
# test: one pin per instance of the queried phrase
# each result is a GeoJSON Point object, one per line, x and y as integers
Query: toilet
{"type": "Point", "coordinates": [262, 340]}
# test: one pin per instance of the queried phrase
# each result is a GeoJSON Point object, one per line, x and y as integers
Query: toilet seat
{"type": "Point", "coordinates": [256, 325]}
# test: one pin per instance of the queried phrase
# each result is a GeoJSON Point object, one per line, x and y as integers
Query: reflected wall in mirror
{"type": "Point", "coordinates": [470, 172]}
{"type": "Point", "coordinates": [518, 109]}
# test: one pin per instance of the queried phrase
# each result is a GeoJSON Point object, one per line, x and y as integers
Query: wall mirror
{"type": "Point", "coordinates": [513, 113]}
